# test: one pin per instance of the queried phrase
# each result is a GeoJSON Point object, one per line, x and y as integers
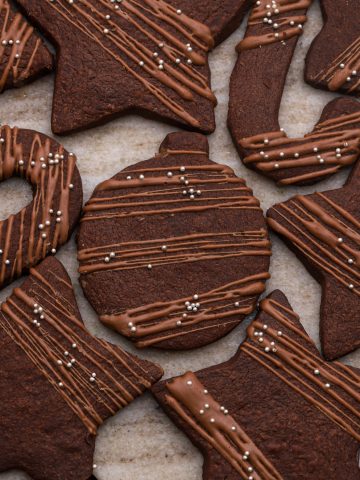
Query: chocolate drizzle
{"type": "Point", "coordinates": [180, 46]}
{"type": "Point", "coordinates": [161, 318]}
{"type": "Point", "coordinates": [44, 225]}
{"type": "Point", "coordinates": [325, 233]}
{"type": "Point", "coordinates": [94, 378]}
{"type": "Point", "coordinates": [287, 352]}
{"type": "Point", "coordinates": [344, 71]}
{"type": "Point", "coordinates": [196, 406]}
{"type": "Point", "coordinates": [268, 17]}
{"type": "Point", "coordinates": [333, 144]}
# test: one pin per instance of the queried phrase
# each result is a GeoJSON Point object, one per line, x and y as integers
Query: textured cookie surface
{"type": "Point", "coordinates": [333, 61]}
{"type": "Point", "coordinates": [323, 229]}
{"type": "Point", "coordinates": [275, 411]}
{"type": "Point", "coordinates": [57, 382]}
{"type": "Point", "coordinates": [256, 89]}
{"type": "Point", "coordinates": [148, 57]}
{"type": "Point", "coordinates": [174, 251]}
{"type": "Point", "coordinates": [23, 54]}
{"type": "Point", "coordinates": [47, 222]}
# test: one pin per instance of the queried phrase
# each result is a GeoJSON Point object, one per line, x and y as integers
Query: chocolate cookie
{"type": "Point", "coordinates": [146, 57]}
{"type": "Point", "coordinates": [174, 251]}
{"type": "Point", "coordinates": [323, 229]}
{"type": "Point", "coordinates": [58, 383]}
{"type": "Point", "coordinates": [47, 222]}
{"type": "Point", "coordinates": [23, 54]}
{"type": "Point", "coordinates": [275, 411]}
{"type": "Point", "coordinates": [256, 89]}
{"type": "Point", "coordinates": [333, 61]}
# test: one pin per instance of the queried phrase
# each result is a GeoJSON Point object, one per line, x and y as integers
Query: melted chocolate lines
{"type": "Point", "coordinates": [269, 16]}
{"type": "Point", "coordinates": [333, 144]}
{"type": "Point", "coordinates": [344, 72]}
{"type": "Point", "coordinates": [330, 387]}
{"type": "Point", "coordinates": [331, 241]}
{"type": "Point", "coordinates": [190, 248]}
{"type": "Point", "coordinates": [58, 344]}
{"type": "Point", "coordinates": [188, 397]}
{"type": "Point", "coordinates": [15, 35]}
{"type": "Point", "coordinates": [176, 316]}
{"type": "Point", "coordinates": [173, 60]}
{"type": "Point", "coordinates": [51, 176]}
{"type": "Point", "coordinates": [172, 192]}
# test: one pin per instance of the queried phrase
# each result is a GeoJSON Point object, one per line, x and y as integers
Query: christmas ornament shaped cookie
{"type": "Point", "coordinates": [275, 411]}
{"type": "Point", "coordinates": [58, 383]}
{"type": "Point", "coordinates": [174, 251]}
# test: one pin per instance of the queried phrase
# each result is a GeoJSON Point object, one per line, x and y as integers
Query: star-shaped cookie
{"type": "Point", "coordinates": [44, 225]}
{"type": "Point", "coordinates": [147, 57]}
{"type": "Point", "coordinates": [333, 60]}
{"type": "Point", "coordinates": [275, 411]}
{"type": "Point", "coordinates": [256, 89]}
{"type": "Point", "coordinates": [323, 229]}
{"type": "Point", "coordinates": [23, 54]}
{"type": "Point", "coordinates": [58, 383]}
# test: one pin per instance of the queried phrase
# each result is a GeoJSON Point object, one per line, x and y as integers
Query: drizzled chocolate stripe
{"type": "Point", "coordinates": [227, 301]}
{"type": "Point", "coordinates": [47, 219]}
{"type": "Point", "coordinates": [84, 370]}
{"type": "Point", "coordinates": [333, 144]}
{"type": "Point", "coordinates": [191, 248]}
{"type": "Point", "coordinates": [331, 388]}
{"type": "Point", "coordinates": [174, 59]}
{"type": "Point", "coordinates": [194, 404]}
{"type": "Point", "coordinates": [16, 38]}
{"type": "Point", "coordinates": [269, 18]}
{"type": "Point", "coordinates": [177, 193]}
{"type": "Point", "coordinates": [325, 233]}
{"type": "Point", "coordinates": [344, 71]}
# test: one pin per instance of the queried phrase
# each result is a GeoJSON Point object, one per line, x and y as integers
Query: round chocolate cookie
{"type": "Point", "coordinates": [47, 222]}
{"type": "Point", "coordinates": [174, 251]}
